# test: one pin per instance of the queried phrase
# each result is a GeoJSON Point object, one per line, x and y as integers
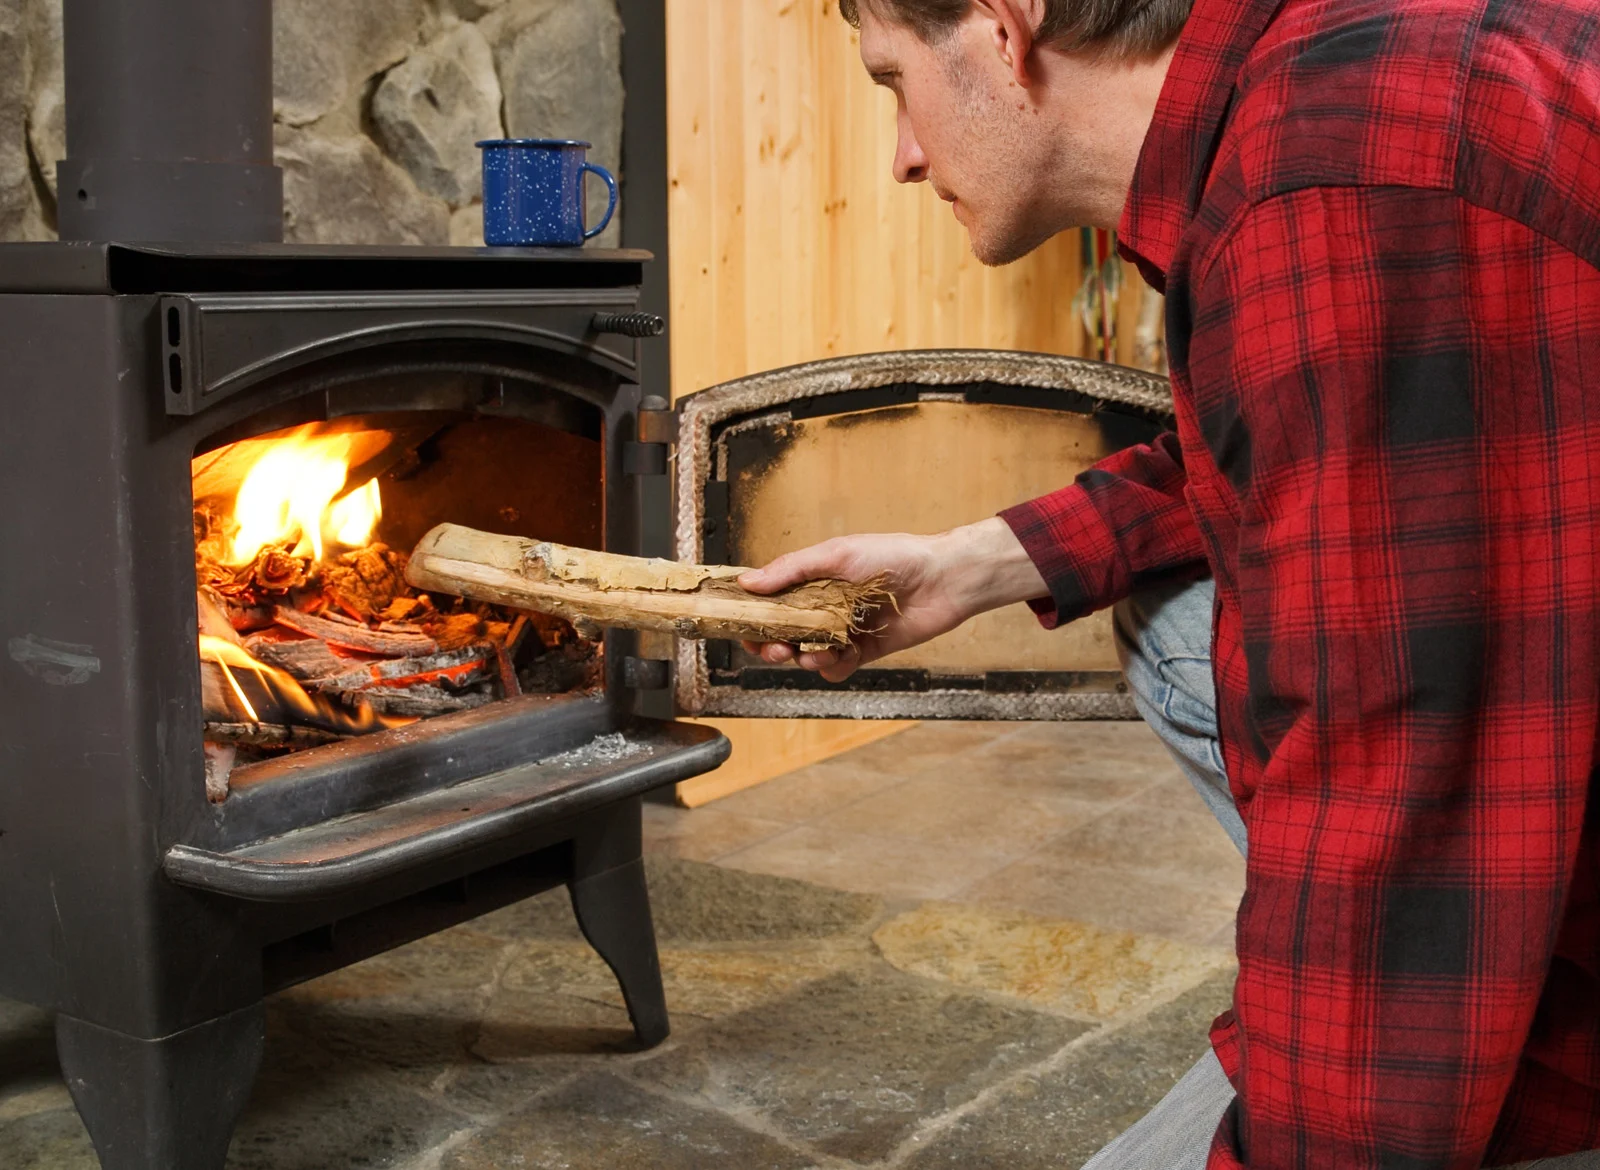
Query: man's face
{"type": "Point", "coordinates": [967, 129]}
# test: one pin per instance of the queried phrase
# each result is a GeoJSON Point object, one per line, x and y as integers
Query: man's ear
{"type": "Point", "coordinates": [1012, 24]}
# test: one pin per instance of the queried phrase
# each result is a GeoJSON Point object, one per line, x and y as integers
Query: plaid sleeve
{"type": "Point", "coordinates": [1410, 421]}
{"type": "Point", "coordinates": [1122, 523]}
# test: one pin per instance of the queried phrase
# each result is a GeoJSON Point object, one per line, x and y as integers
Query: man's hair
{"type": "Point", "coordinates": [1126, 27]}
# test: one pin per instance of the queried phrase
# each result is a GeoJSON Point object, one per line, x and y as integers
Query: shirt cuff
{"type": "Point", "coordinates": [1063, 533]}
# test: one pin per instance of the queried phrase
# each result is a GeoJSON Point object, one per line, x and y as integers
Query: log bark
{"type": "Point", "coordinates": [605, 589]}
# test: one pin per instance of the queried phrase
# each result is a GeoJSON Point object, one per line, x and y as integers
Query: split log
{"type": "Point", "coordinates": [605, 589]}
{"type": "Point", "coordinates": [352, 636]}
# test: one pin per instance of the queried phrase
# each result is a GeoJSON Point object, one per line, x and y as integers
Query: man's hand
{"type": "Point", "coordinates": [938, 583]}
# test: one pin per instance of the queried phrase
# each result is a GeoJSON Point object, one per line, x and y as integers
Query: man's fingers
{"type": "Point", "coordinates": [777, 653]}
{"type": "Point", "coordinates": [844, 664]}
{"type": "Point", "coordinates": [809, 564]}
{"type": "Point", "coordinates": [818, 659]}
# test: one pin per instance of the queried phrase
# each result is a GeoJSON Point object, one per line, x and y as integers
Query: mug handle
{"type": "Point", "coordinates": [611, 210]}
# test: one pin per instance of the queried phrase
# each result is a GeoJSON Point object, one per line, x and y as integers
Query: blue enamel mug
{"type": "Point", "coordinates": [533, 192]}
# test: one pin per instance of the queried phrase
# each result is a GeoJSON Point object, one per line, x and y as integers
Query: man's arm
{"type": "Point", "coordinates": [1066, 554]}
{"type": "Point", "coordinates": [1403, 386]}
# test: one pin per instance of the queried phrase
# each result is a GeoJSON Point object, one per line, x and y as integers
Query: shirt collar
{"type": "Point", "coordinates": [1169, 178]}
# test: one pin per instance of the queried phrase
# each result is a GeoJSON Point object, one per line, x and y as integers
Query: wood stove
{"type": "Point", "coordinates": [176, 842]}
{"type": "Point", "coordinates": [153, 919]}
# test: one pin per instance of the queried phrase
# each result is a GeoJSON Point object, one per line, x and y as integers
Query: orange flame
{"type": "Point", "coordinates": [260, 688]}
{"type": "Point", "coordinates": [293, 493]}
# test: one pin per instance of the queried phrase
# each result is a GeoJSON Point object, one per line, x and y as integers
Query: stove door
{"type": "Point", "coordinates": [915, 441]}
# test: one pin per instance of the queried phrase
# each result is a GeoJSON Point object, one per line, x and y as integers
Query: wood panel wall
{"type": "Point", "coordinates": [791, 242]}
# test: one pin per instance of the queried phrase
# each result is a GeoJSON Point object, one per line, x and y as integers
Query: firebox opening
{"type": "Point", "coordinates": [309, 633]}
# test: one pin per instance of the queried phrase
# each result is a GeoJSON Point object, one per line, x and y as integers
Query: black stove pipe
{"type": "Point", "coordinates": [169, 122]}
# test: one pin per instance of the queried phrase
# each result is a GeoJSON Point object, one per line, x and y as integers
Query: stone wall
{"type": "Point", "coordinates": [378, 103]}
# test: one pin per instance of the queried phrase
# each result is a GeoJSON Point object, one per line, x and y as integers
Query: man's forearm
{"type": "Point", "coordinates": [988, 566]}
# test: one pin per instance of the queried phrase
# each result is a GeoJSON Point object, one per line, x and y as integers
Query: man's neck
{"type": "Point", "coordinates": [1105, 107]}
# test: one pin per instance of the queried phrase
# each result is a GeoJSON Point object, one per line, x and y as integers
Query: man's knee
{"type": "Point", "coordinates": [1163, 638]}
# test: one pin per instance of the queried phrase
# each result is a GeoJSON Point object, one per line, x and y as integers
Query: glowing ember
{"type": "Point", "coordinates": [292, 494]}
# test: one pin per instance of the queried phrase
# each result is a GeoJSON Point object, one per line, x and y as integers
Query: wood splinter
{"type": "Point", "coordinates": [605, 589]}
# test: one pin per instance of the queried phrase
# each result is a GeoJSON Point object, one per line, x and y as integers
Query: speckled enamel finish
{"type": "Point", "coordinates": [533, 192]}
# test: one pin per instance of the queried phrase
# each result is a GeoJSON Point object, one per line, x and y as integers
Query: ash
{"type": "Point", "coordinates": [603, 749]}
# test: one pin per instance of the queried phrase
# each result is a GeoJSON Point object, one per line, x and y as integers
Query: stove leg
{"type": "Point", "coordinates": [168, 1104]}
{"type": "Point", "coordinates": [612, 903]}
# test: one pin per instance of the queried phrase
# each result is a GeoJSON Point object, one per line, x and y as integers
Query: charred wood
{"type": "Point", "coordinates": [268, 735]}
{"type": "Point", "coordinates": [421, 701]}
{"type": "Point", "coordinates": [353, 636]}
{"type": "Point", "coordinates": [453, 670]}
{"type": "Point", "coordinates": [308, 659]}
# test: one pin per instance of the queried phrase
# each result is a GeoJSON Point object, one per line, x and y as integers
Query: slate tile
{"type": "Point", "coordinates": [1060, 1119]}
{"type": "Point", "coordinates": [853, 1063]}
{"type": "Point", "coordinates": [602, 1121]}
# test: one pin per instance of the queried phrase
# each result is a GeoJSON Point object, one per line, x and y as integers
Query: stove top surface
{"type": "Point", "coordinates": [135, 268]}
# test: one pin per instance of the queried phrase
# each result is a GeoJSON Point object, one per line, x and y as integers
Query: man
{"type": "Point", "coordinates": [1377, 223]}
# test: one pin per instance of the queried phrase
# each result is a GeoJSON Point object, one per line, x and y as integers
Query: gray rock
{"type": "Point", "coordinates": [342, 190]}
{"type": "Point", "coordinates": [324, 51]}
{"type": "Point", "coordinates": [1061, 1119]}
{"type": "Point", "coordinates": [311, 1108]}
{"type": "Point", "coordinates": [560, 65]}
{"type": "Point", "coordinates": [431, 108]}
{"type": "Point", "coordinates": [466, 225]}
{"type": "Point", "coordinates": [470, 9]}
{"type": "Point", "coordinates": [698, 903]}
{"type": "Point", "coordinates": [47, 110]}
{"type": "Point", "coordinates": [603, 1121]}
{"type": "Point", "coordinates": [692, 902]}
{"type": "Point", "coordinates": [47, 1141]}
{"type": "Point", "coordinates": [852, 1064]}
{"type": "Point", "coordinates": [21, 211]}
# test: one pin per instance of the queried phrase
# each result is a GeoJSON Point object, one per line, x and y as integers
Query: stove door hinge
{"type": "Point", "coordinates": [658, 431]}
{"type": "Point", "coordinates": [646, 674]}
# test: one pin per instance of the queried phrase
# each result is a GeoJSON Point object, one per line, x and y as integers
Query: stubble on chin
{"type": "Point", "coordinates": [996, 249]}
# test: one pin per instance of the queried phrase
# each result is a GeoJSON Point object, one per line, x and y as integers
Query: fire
{"type": "Point", "coordinates": [293, 493]}
{"type": "Point", "coordinates": [265, 694]}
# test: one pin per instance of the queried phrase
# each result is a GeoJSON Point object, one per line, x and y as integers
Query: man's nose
{"type": "Point", "coordinates": [910, 164]}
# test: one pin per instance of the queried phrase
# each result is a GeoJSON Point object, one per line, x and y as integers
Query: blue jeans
{"type": "Point", "coordinates": [1164, 642]}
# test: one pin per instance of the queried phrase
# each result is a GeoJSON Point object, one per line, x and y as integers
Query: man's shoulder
{"type": "Point", "coordinates": [1497, 100]}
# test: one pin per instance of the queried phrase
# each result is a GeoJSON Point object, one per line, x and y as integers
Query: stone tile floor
{"type": "Point", "coordinates": [964, 946]}
{"type": "Point", "coordinates": [1090, 821]}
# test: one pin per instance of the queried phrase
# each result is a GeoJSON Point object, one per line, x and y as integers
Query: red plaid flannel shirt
{"type": "Point", "coordinates": [1378, 226]}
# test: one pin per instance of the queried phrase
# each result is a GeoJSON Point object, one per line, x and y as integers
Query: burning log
{"type": "Point", "coordinates": [239, 689]}
{"type": "Point", "coordinates": [456, 669]}
{"type": "Point", "coordinates": [604, 589]}
{"type": "Point", "coordinates": [366, 582]}
{"type": "Point", "coordinates": [268, 735]}
{"type": "Point", "coordinates": [422, 701]}
{"type": "Point", "coordinates": [453, 631]}
{"type": "Point", "coordinates": [308, 659]}
{"type": "Point", "coordinates": [390, 642]}
{"type": "Point", "coordinates": [505, 656]}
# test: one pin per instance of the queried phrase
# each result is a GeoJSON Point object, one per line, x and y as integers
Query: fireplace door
{"type": "Point", "coordinates": [904, 442]}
